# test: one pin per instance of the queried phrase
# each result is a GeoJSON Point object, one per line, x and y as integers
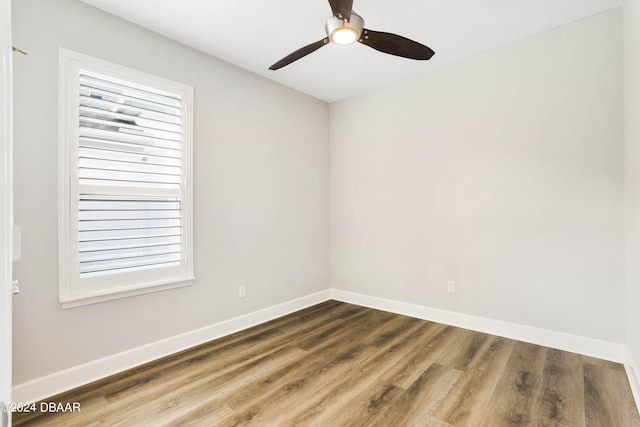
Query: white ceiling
{"type": "Point", "coordinates": [255, 34]}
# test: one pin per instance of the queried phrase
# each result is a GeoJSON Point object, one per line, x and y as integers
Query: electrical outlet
{"type": "Point", "coordinates": [451, 286]}
{"type": "Point", "coordinates": [242, 291]}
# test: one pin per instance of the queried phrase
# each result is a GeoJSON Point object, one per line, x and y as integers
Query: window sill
{"type": "Point", "coordinates": [94, 298]}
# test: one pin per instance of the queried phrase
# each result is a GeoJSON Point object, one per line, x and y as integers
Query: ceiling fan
{"type": "Point", "coordinates": [346, 27]}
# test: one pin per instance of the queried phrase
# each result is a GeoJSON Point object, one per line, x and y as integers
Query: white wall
{"type": "Point", "coordinates": [261, 192]}
{"type": "Point", "coordinates": [503, 172]}
{"type": "Point", "coordinates": [632, 167]}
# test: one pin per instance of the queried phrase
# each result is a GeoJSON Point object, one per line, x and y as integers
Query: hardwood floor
{"type": "Point", "coordinates": [337, 364]}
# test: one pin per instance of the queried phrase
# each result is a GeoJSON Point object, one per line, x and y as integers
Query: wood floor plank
{"type": "Point", "coordinates": [518, 388]}
{"type": "Point", "coordinates": [607, 398]}
{"type": "Point", "coordinates": [420, 399]}
{"type": "Point", "coordinates": [353, 393]}
{"type": "Point", "coordinates": [216, 369]}
{"type": "Point", "coordinates": [337, 364]}
{"type": "Point", "coordinates": [527, 357]}
{"type": "Point", "coordinates": [181, 403]}
{"type": "Point", "coordinates": [562, 401]}
{"type": "Point", "coordinates": [428, 421]}
{"type": "Point", "coordinates": [471, 394]}
{"type": "Point", "coordinates": [361, 409]}
{"type": "Point", "coordinates": [466, 352]}
{"type": "Point", "coordinates": [165, 403]}
{"type": "Point", "coordinates": [424, 353]}
{"type": "Point", "coordinates": [414, 355]}
{"type": "Point", "coordinates": [305, 403]}
{"type": "Point", "coordinates": [325, 360]}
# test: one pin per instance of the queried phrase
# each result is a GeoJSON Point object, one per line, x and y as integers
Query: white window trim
{"type": "Point", "coordinates": [70, 293]}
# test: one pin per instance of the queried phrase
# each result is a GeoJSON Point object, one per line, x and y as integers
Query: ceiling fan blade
{"type": "Point", "coordinates": [300, 53]}
{"type": "Point", "coordinates": [341, 8]}
{"type": "Point", "coordinates": [394, 44]}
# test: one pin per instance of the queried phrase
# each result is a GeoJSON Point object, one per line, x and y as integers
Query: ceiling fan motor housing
{"type": "Point", "coordinates": [337, 27]}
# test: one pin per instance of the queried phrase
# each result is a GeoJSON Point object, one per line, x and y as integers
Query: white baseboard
{"type": "Point", "coordinates": [574, 343]}
{"type": "Point", "coordinates": [632, 373]}
{"type": "Point", "coordinates": [58, 382]}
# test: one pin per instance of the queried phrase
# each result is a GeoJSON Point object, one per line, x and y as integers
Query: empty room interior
{"type": "Point", "coordinates": [363, 238]}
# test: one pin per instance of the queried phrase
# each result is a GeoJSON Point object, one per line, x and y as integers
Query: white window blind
{"type": "Point", "coordinates": [128, 198]}
{"type": "Point", "coordinates": [128, 137]}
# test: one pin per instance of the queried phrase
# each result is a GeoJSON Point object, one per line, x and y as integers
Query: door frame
{"type": "Point", "coordinates": [6, 208]}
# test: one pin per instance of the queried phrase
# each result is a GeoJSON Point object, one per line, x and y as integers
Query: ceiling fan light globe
{"type": "Point", "coordinates": [344, 36]}
{"type": "Point", "coordinates": [344, 32]}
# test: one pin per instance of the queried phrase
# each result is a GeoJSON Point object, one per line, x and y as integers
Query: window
{"type": "Point", "coordinates": [125, 182]}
